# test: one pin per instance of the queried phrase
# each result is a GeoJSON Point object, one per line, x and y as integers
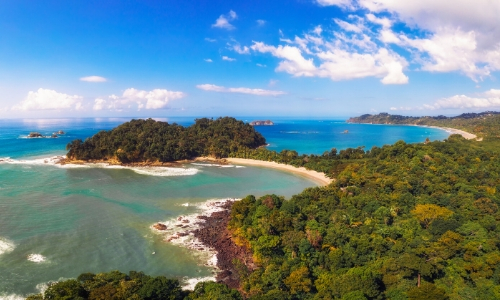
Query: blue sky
{"type": "Point", "coordinates": [309, 58]}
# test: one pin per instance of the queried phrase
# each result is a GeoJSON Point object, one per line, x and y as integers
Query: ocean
{"type": "Point", "coordinates": [59, 221]}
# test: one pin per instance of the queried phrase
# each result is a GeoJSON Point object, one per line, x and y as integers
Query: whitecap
{"type": "Point", "coordinates": [11, 297]}
{"type": "Point", "coordinates": [37, 258]}
{"type": "Point", "coordinates": [190, 283]}
{"type": "Point", "coordinates": [179, 230]}
{"type": "Point", "coordinates": [6, 246]}
{"type": "Point", "coordinates": [56, 161]}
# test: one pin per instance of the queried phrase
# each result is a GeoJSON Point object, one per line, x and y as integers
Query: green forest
{"type": "Point", "coordinates": [402, 221]}
{"type": "Point", "coordinates": [154, 141]}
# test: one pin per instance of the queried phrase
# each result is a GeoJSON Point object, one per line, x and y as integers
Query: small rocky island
{"type": "Point", "coordinates": [35, 135]}
{"type": "Point", "coordinates": [262, 123]}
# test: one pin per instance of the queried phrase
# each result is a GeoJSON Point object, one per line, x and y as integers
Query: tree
{"type": "Point", "coordinates": [427, 213]}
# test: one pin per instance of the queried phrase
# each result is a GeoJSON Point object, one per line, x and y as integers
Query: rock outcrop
{"type": "Point", "coordinates": [35, 135]}
{"type": "Point", "coordinates": [262, 123]}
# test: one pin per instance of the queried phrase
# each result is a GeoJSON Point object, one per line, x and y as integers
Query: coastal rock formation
{"type": "Point", "coordinates": [214, 234]}
{"type": "Point", "coordinates": [160, 226]}
{"type": "Point", "coordinates": [53, 136]}
{"type": "Point", "coordinates": [60, 132]}
{"type": "Point", "coordinates": [35, 135]}
{"type": "Point", "coordinates": [262, 123]}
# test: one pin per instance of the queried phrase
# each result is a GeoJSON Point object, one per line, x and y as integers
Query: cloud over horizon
{"type": "Point", "coordinates": [241, 90]}
{"type": "Point", "coordinates": [137, 99]}
{"type": "Point", "coordinates": [93, 79]}
{"type": "Point", "coordinates": [45, 99]}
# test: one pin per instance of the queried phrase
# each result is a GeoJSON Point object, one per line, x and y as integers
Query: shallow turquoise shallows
{"type": "Point", "coordinates": [59, 222]}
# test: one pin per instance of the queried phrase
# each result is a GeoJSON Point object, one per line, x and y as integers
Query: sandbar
{"type": "Point", "coordinates": [319, 177]}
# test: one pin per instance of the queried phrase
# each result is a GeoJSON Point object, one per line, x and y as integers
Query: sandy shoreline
{"type": "Point", "coordinates": [465, 134]}
{"type": "Point", "coordinates": [316, 176]}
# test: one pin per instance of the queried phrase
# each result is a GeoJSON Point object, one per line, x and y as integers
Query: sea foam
{"type": "Point", "coordinates": [56, 161]}
{"type": "Point", "coordinates": [36, 258]}
{"type": "Point", "coordinates": [11, 297]}
{"type": "Point", "coordinates": [179, 230]}
{"type": "Point", "coordinates": [6, 246]}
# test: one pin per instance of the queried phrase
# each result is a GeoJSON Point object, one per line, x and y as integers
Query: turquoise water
{"type": "Point", "coordinates": [58, 222]}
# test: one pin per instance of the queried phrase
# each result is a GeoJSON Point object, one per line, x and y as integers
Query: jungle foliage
{"type": "Point", "coordinates": [135, 285]}
{"type": "Point", "coordinates": [152, 141]}
{"type": "Point", "coordinates": [395, 215]}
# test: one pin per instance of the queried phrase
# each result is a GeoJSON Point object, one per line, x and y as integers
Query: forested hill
{"type": "Point", "coordinates": [483, 124]}
{"type": "Point", "coordinates": [154, 141]}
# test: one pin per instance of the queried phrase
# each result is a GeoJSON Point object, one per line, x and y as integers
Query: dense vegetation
{"type": "Point", "coordinates": [396, 215]}
{"type": "Point", "coordinates": [483, 124]}
{"type": "Point", "coordinates": [405, 221]}
{"type": "Point", "coordinates": [153, 141]}
{"type": "Point", "coordinates": [135, 285]}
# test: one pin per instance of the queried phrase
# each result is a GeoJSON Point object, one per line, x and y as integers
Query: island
{"type": "Point", "coordinates": [153, 142]}
{"type": "Point", "coordinates": [262, 123]}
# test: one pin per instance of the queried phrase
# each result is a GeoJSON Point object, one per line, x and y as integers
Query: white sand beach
{"type": "Point", "coordinates": [316, 176]}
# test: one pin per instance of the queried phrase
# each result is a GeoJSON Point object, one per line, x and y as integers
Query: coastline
{"type": "Point", "coordinates": [465, 134]}
{"type": "Point", "coordinates": [319, 177]}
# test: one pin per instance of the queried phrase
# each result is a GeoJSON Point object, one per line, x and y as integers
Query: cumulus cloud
{"type": "Point", "coordinates": [241, 90]}
{"type": "Point", "coordinates": [223, 21]}
{"type": "Point", "coordinates": [446, 36]}
{"type": "Point", "coordinates": [140, 99]}
{"type": "Point", "coordinates": [241, 50]}
{"type": "Point", "coordinates": [228, 58]}
{"type": "Point", "coordinates": [93, 79]}
{"type": "Point", "coordinates": [208, 60]}
{"type": "Point", "coordinates": [489, 99]}
{"type": "Point", "coordinates": [45, 99]}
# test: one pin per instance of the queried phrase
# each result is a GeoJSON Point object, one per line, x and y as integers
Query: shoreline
{"type": "Point", "coordinates": [319, 177]}
{"type": "Point", "coordinates": [464, 134]}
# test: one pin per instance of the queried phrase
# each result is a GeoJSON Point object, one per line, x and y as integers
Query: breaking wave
{"type": "Point", "coordinates": [56, 162]}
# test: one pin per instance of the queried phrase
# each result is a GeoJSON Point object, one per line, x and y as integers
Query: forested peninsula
{"type": "Point", "coordinates": [402, 221]}
{"type": "Point", "coordinates": [154, 141]}
{"type": "Point", "coordinates": [484, 125]}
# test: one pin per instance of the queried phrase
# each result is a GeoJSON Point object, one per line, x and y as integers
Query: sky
{"type": "Point", "coordinates": [307, 58]}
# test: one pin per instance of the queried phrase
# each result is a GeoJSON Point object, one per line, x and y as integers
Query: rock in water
{"type": "Point", "coordinates": [262, 123]}
{"type": "Point", "coordinates": [160, 226]}
{"type": "Point", "coordinates": [35, 135]}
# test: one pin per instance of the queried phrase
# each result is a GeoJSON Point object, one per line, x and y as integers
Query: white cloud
{"type": "Point", "coordinates": [339, 64]}
{"type": "Point", "coordinates": [261, 22]}
{"type": "Point", "coordinates": [241, 90]}
{"type": "Point", "coordinates": [348, 26]}
{"type": "Point", "coordinates": [489, 99]}
{"type": "Point", "coordinates": [93, 79]}
{"type": "Point", "coordinates": [223, 21]}
{"type": "Point", "coordinates": [45, 99]}
{"type": "Point", "coordinates": [154, 99]}
{"type": "Point", "coordinates": [341, 3]}
{"type": "Point", "coordinates": [210, 40]}
{"type": "Point", "coordinates": [228, 58]}
{"type": "Point", "coordinates": [241, 50]}
{"type": "Point", "coordinates": [208, 60]}
{"type": "Point", "coordinates": [99, 104]}
{"type": "Point", "coordinates": [261, 65]}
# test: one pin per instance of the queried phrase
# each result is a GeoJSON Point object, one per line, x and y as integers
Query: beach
{"type": "Point", "coordinates": [314, 175]}
{"type": "Point", "coordinates": [465, 134]}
